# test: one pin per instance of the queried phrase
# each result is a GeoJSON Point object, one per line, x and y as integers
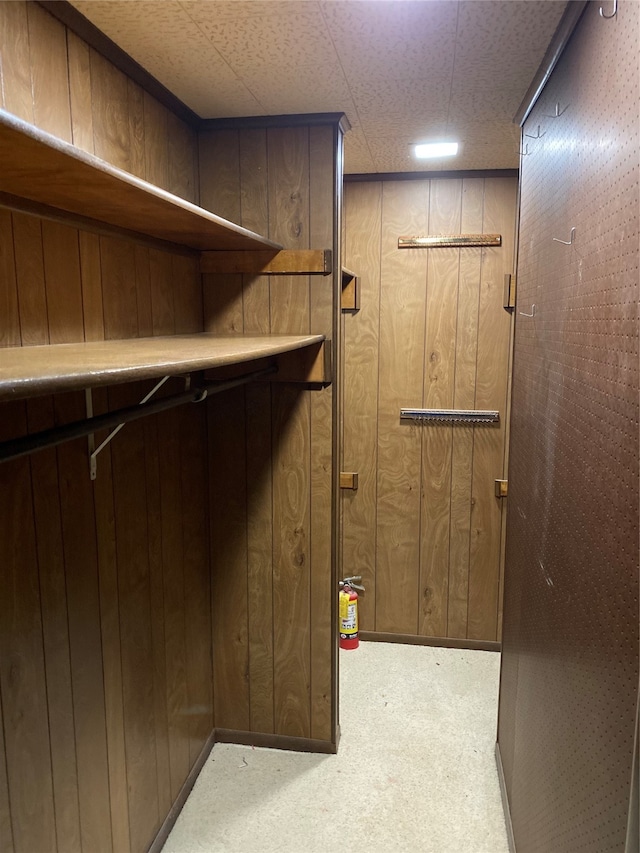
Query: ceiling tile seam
{"type": "Point", "coordinates": [348, 85]}
{"type": "Point", "coordinates": [223, 58]}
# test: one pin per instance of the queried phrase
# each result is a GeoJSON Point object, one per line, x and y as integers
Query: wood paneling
{"type": "Point", "coordinates": [105, 683]}
{"type": "Point", "coordinates": [363, 212]}
{"type": "Point", "coordinates": [208, 535]}
{"type": "Point", "coordinates": [424, 527]}
{"type": "Point", "coordinates": [272, 501]}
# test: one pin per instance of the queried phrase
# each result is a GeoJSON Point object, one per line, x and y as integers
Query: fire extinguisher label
{"type": "Point", "coordinates": [350, 622]}
{"type": "Point", "coordinates": [344, 605]}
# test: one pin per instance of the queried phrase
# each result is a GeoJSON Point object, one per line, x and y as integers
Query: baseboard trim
{"type": "Point", "coordinates": [270, 741]}
{"type": "Point", "coordinates": [505, 801]}
{"type": "Point", "coordinates": [167, 825]}
{"type": "Point", "coordinates": [441, 642]}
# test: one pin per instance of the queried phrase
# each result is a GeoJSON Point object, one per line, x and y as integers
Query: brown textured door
{"type": "Point", "coordinates": [424, 527]}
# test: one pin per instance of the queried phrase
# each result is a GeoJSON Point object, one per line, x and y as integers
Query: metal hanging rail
{"type": "Point", "coordinates": [17, 447]}
{"type": "Point", "coordinates": [451, 416]}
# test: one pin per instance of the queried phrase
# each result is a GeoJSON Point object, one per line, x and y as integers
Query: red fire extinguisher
{"type": "Point", "coordinates": [349, 613]}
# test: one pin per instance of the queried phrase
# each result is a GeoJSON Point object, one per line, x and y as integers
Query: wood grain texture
{"type": "Point", "coordinates": [63, 284]}
{"type": "Point", "coordinates": [103, 496]}
{"type": "Point", "coordinates": [44, 170]}
{"type": "Point", "coordinates": [363, 223]}
{"type": "Point", "coordinates": [137, 152]}
{"type": "Point", "coordinates": [91, 278]}
{"type": "Point", "coordinates": [228, 523]}
{"type": "Point", "coordinates": [50, 83]}
{"type": "Point", "coordinates": [443, 266]}
{"type": "Point", "coordinates": [464, 398]}
{"type": "Point", "coordinates": [80, 557]}
{"type": "Point", "coordinates": [256, 310]}
{"type": "Point", "coordinates": [22, 665]}
{"type": "Point", "coordinates": [136, 650]}
{"type": "Point", "coordinates": [32, 300]}
{"type": "Point", "coordinates": [174, 596]}
{"type": "Point", "coordinates": [156, 142]}
{"type": "Point", "coordinates": [55, 625]}
{"type": "Point", "coordinates": [16, 61]}
{"type": "Point", "coordinates": [323, 300]}
{"type": "Point", "coordinates": [183, 174]}
{"type": "Point", "coordinates": [401, 357]}
{"type": "Point", "coordinates": [85, 746]}
{"type": "Point", "coordinates": [197, 578]}
{"type": "Point", "coordinates": [463, 337]}
{"type": "Point", "coordinates": [491, 391]}
{"type": "Point", "coordinates": [288, 182]}
{"type": "Point", "coordinates": [10, 326]}
{"type": "Point", "coordinates": [110, 113]}
{"type": "Point", "coordinates": [291, 563]}
{"type": "Point", "coordinates": [80, 93]}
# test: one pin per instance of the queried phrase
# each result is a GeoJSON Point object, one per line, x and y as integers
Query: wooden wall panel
{"type": "Point", "coordinates": [288, 183]}
{"type": "Point", "coordinates": [490, 393]}
{"type": "Point", "coordinates": [22, 665]}
{"type": "Point", "coordinates": [442, 302]}
{"type": "Point", "coordinates": [105, 680]}
{"type": "Point", "coordinates": [466, 359]}
{"type": "Point", "coordinates": [405, 209]}
{"type": "Point", "coordinates": [272, 450]}
{"type": "Point", "coordinates": [432, 334]}
{"type": "Point", "coordinates": [323, 151]}
{"type": "Point", "coordinates": [363, 229]}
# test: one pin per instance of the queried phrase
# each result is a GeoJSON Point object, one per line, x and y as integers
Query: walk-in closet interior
{"type": "Point", "coordinates": [226, 384]}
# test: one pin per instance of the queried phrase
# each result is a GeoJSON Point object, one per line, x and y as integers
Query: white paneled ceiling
{"type": "Point", "coordinates": [403, 71]}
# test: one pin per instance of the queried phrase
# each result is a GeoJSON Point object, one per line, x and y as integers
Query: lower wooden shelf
{"type": "Point", "coordinates": [37, 370]}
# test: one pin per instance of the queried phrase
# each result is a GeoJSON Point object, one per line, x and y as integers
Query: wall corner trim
{"type": "Point", "coordinates": [339, 120]}
{"type": "Point", "coordinates": [68, 15]}
{"type": "Point", "coordinates": [167, 825]}
{"type": "Point", "coordinates": [563, 33]}
{"type": "Point", "coordinates": [505, 801]}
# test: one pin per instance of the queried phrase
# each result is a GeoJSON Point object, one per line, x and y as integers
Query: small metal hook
{"type": "Point", "coordinates": [558, 111]}
{"type": "Point", "coordinates": [613, 14]}
{"type": "Point", "coordinates": [539, 135]}
{"type": "Point", "coordinates": [568, 242]}
{"type": "Point", "coordinates": [526, 151]}
{"type": "Point", "coordinates": [533, 312]}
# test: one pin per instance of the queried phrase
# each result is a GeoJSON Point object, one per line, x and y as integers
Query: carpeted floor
{"type": "Point", "coordinates": [415, 769]}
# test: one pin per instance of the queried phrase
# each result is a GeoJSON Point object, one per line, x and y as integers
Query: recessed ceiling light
{"type": "Point", "coordinates": [436, 149]}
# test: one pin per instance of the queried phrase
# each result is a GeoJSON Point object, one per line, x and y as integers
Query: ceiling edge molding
{"type": "Point", "coordinates": [563, 33]}
{"type": "Point", "coordinates": [428, 176]}
{"type": "Point", "coordinates": [260, 122]}
{"type": "Point", "coordinates": [95, 38]}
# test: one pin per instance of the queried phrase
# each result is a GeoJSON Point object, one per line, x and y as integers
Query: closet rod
{"type": "Point", "coordinates": [17, 447]}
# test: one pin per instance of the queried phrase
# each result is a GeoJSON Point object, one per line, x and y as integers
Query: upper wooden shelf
{"type": "Point", "coordinates": [37, 166]}
{"type": "Point", "coordinates": [36, 370]}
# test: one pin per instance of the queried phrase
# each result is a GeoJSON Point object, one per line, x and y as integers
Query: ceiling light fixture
{"type": "Point", "coordinates": [429, 150]}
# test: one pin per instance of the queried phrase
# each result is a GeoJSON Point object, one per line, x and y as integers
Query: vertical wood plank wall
{"type": "Point", "coordinates": [271, 448]}
{"type": "Point", "coordinates": [424, 527]}
{"type": "Point", "coordinates": [105, 678]}
{"type": "Point", "coordinates": [570, 662]}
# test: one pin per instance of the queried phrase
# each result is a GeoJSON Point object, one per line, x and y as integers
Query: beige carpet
{"type": "Point", "coordinates": [415, 769]}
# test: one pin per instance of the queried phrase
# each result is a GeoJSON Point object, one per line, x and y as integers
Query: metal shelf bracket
{"type": "Point", "coordinates": [93, 450]}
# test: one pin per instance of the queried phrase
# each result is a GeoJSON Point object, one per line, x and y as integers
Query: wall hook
{"type": "Point", "coordinates": [568, 242]}
{"type": "Point", "coordinates": [613, 14]}
{"type": "Point", "coordinates": [533, 312]}
{"type": "Point", "coordinates": [538, 135]}
{"type": "Point", "coordinates": [558, 111]}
